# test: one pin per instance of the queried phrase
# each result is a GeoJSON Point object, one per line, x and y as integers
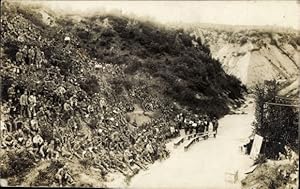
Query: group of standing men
{"type": "Point", "coordinates": [197, 123]}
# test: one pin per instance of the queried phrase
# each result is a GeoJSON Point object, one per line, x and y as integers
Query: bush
{"type": "Point", "coordinates": [12, 50]}
{"type": "Point", "coordinates": [5, 83]}
{"type": "Point", "coordinates": [243, 41]}
{"type": "Point", "coordinates": [132, 67]}
{"type": "Point", "coordinates": [277, 124]}
{"type": "Point", "coordinates": [19, 163]}
{"type": "Point", "coordinates": [90, 85]}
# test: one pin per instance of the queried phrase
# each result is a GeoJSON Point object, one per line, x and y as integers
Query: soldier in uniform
{"type": "Point", "coordinates": [24, 103]}
{"type": "Point", "coordinates": [63, 176]}
{"type": "Point", "coordinates": [11, 91]}
{"type": "Point", "coordinates": [43, 150]}
{"type": "Point", "coordinates": [31, 105]}
{"type": "Point", "coordinates": [38, 58]}
{"type": "Point", "coordinates": [20, 58]}
{"type": "Point", "coordinates": [31, 55]}
{"type": "Point", "coordinates": [215, 126]}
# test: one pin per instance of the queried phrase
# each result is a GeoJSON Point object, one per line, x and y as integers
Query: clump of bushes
{"type": "Point", "coordinates": [276, 123]}
{"type": "Point", "coordinates": [18, 163]}
{"type": "Point", "coordinates": [90, 85]}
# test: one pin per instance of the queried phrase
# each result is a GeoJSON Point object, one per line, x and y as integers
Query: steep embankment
{"type": "Point", "coordinates": [86, 86]}
{"type": "Point", "coordinates": [255, 55]}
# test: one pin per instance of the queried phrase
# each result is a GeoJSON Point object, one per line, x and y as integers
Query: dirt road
{"type": "Point", "coordinates": [204, 165]}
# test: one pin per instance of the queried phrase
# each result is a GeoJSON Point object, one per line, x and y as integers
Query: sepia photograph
{"type": "Point", "coordinates": [150, 94]}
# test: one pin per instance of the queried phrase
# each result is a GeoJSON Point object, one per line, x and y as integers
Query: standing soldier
{"type": "Point", "coordinates": [24, 103]}
{"type": "Point", "coordinates": [24, 52]}
{"type": "Point", "coordinates": [206, 124]}
{"type": "Point", "coordinates": [31, 105]}
{"type": "Point", "coordinates": [38, 58]}
{"type": "Point", "coordinates": [31, 55]}
{"type": "Point", "coordinates": [19, 58]}
{"type": "Point", "coordinates": [215, 126]}
{"type": "Point", "coordinates": [11, 92]}
{"type": "Point", "coordinates": [201, 126]}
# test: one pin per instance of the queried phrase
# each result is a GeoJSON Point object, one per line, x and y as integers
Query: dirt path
{"type": "Point", "coordinates": [204, 165]}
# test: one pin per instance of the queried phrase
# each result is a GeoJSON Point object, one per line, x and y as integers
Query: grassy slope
{"type": "Point", "coordinates": [146, 60]}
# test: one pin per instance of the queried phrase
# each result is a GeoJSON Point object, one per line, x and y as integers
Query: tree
{"type": "Point", "coordinates": [275, 122]}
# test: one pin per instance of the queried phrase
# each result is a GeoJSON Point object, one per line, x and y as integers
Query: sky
{"type": "Point", "coordinates": [279, 13]}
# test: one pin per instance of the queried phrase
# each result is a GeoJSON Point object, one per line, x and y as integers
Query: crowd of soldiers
{"type": "Point", "coordinates": [113, 145]}
{"type": "Point", "coordinates": [194, 123]}
{"type": "Point", "coordinates": [48, 115]}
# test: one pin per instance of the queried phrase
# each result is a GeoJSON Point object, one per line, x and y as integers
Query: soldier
{"type": "Point", "coordinates": [29, 146]}
{"type": "Point", "coordinates": [39, 58]}
{"type": "Point", "coordinates": [150, 150]}
{"type": "Point", "coordinates": [191, 126]}
{"type": "Point", "coordinates": [186, 126]}
{"type": "Point", "coordinates": [68, 110]}
{"type": "Point", "coordinates": [65, 151]}
{"type": "Point", "coordinates": [20, 136]}
{"type": "Point", "coordinates": [3, 129]}
{"type": "Point", "coordinates": [201, 126]}
{"type": "Point", "coordinates": [215, 126]}
{"type": "Point", "coordinates": [74, 101]}
{"type": "Point", "coordinates": [43, 149]}
{"type": "Point", "coordinates": [24, 52]}
{"type": "Point", "coordinates": [11, 91]}
{"type": "Point", "coordinates": [18, 122]}
{"type": "Point", "coordinates": [90, 109]}
{"type": "Point", "coordinates": [206, 125]}
{"type": "Point", "coordinates": [60, 91]}
{"type": "Point", "coordinates": [63, 176]}
{"type": "Point", "coordinates": [31, 105]}
{"type": "Point", "coordinates": [37, 140]}
{"type": "Point", "coordinates": [8, 141]}
{"type": "Point", "coordinates": [24, 103]}
{"type": "Point", "coordinates": [20, 58]}
{"type": "Point", "coordinates": [34, 125]}
{"type": "Point", "coordinates": [31, 55]}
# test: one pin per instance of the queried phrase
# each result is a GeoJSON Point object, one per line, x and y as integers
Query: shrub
{"type": "Point", "coordinates": [132, 67]}
{"type": "Point", "coordinates": [243, 41]}
{"type": "Point", "coordinates": [277, 124]}
{"type": "Point", "coordinates": [12, 50]}
{"type": "Point", "coordinates": [5, 83]}
{"type": "Point", "coordinates": [19, 163]}
{"type": "Point", "coordinates": [90, 85]}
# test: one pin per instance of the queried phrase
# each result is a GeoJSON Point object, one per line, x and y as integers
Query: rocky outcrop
{"type": "Point", "coordinates": [254, 55]}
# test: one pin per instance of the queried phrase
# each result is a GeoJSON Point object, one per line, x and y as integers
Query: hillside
{"type": "Point", "coordinates": [254, 54]}
{"type": "Point", "coordinates": [98, 88]}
